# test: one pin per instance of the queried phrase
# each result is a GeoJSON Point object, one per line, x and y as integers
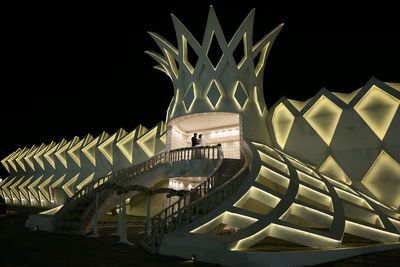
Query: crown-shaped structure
{"type": "Point", "coordinates": [226, 85]}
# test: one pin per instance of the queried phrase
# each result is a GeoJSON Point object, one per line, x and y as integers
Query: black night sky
{"type": "Point", "coordinates": [71, 69]}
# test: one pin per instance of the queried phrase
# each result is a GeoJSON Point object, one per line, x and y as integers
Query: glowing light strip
{"type": "Point", "coordinates": [90, 151]}
{"type": "Point", "coordinates": [369, 232]}
{"type": "Point", "coordinates": [60, 153]}
{"type": "Point", "coordinates": [14, 189]}
{"type": "Point", "coordinates": [273, 162]}
{"type": "Point", "coordinates": [106, 148]}
{"type": "Point", "coordinates": [66, 186]}
{"type": "Point", "coordinates": [40, 152]}
{"type": "Point", "coordinates": [261, 61]}
{"type": "Point", "coordinates": [85, 182]}
{"type": "Point", "coordinates": [29, 156]}
{"type": "Point", "coordinates": [32, 189]}
{"type": "Point", "coordinates": [352, 198]}
{"type": "Point", "coordinates": [22, 187]}
{"type": "Point", "coordinates": [20, 156]}
{"type": "Point", "coordinates": [125, 145]}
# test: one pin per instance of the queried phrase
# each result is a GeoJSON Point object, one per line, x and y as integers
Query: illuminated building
{"type": "Point", "coordinates": [295, 185]}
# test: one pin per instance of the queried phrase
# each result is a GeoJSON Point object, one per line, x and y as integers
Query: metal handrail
{"type": "Point", "coordinates": [188, 209]}
{"type": "Point", "coordinates": [209, 152]}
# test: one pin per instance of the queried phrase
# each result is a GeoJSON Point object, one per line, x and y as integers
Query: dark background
{"type": "Point", "coordinates": [71, 69]}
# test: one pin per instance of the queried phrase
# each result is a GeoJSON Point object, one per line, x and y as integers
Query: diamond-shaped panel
{"type": "Point", "coordinates": [189, 97]}
{"type": "Point", "coordinates": [383, 179]}
{"type": "Point", "coordinates": [377, 109]}
{"type": "Point", "coordinates": [324, 116]}
{"type": "Point", "coordinates": [240, 52]}
{"type": "Point", "coordinates": [282, 121]}
{"type": "Point", "coordinates": [240, 94]}
{"type": "Point", "coordinates": [214, 94]}
{"type": "Point", "coordinates": [214, 52]}
{"type": "Point", "coordinates": [333, 170]}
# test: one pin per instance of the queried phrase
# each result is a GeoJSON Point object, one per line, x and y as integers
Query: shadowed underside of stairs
{"type": "Point", "coordinates": [78, 214]}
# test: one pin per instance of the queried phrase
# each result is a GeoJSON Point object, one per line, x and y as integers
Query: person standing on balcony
{"type": "Point", "coordinates": [194, 140]}
{"type": "Point", "coordinates": [200, 140]}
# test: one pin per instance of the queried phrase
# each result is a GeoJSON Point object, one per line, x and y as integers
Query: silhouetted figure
{"type": "Point", "coordinates": [200, 140]}
{"type": "Point", "coordinates": [194, 139]}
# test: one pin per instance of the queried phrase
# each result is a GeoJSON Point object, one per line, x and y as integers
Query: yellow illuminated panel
{"type": "Point", "coordinates": [191, 89]}
{"type": "Point", "coordinates": [323, 117]}
{"type": "Point", "coordinates": [339, 184]}
{"type": "Point", "coordinates": [332, 169]}
{"type": "Point", "coordinates": [121, 134]}
{"type": "Point", "coordinates": [20, 156]}
{"type": "Point", "coordinates": [261, 62]}
{"type": "Point", "coordinates": [299, 105]}
{"type": "Point", "coordinates": [289, 234]}
{"type": "Point", "coordinates": [301, 166]}
{"type": "Point", "coordinates": [352, 198]}
{"type": "Point", "coordinates": [377, 108]}
{"type": "Point", "coordinates": [395, 223]}
{"type": "Point", "coordinates": [282, 121]}
{"type": "Point", "coordinates": [394, 85]}
{"type": "Point", "coordinates": [227, 218]}
{"type": "Point", "coordinates": [52, 211]}
{"type": "Point", "coordinates": [103, 137]}
{"type": "Point", "coordinates": [4, 162]}
{"type": "Point", "coordinates": [172, 63]}
{"type": "Point", "coordinates": [85, 182]}
{"type": "Point", "coordinates": [185, 55]}
{"type": "Point", "coordinates": [22, 188]}
{"type": "Point", "coordinates": [239, 86]}
{"type": "Point", "coordinates": [258, 201]}
{"type": "Point", "coordinates": [147, 142]}
{"type": "Point", "coordinates": [67, 186]}
{"type": "Point", "coordinates": [269, 150]}
{"type": "Point", "coordinates": [61, 153]}
{"type": "Point", "coordinates": [358, 214]}
{"type": "Point", "coordinates": [346, 97]}
{"type": "Point", "coordinates": [311, 181]}
{"type": "Point", "coordinates": [49, 155]}
{"type": "Point", "coordinates": [314, 198]}
{"type": "Point", "coordinates": [73, 152]}
{"type": "Point", "coordinates": [14, 189]}
{"type": "Point", "coordinates": [272, 180]}
{"type": "Point", "coordinates": [90, 151]}
{"type": "Point", "coordinates": [244, 40]}
{"type": "Point", "coordinates": [38, 156]}
{"type": "Point", "coordinates": [43, 190]}
{"type": "Point", "coordinates": [32, 189]}
{"type": "Point", "coordinates": [257, 100]}
{"type": "Point", "coordinates": [28, 157]}
{"type": "Point", "coordinates": [383, 180]}
{"type": "Point", "coordinates": [370, 232]}
{"type": "Point", "coordinates": [106, 148]}
{"type": "Point", "coordinates": [208, 50]}
{"type": "Point", "coordinates": [309, 217]}
{"type": "Point", "coordinates": [163, 138]}
{"type": "Point", "coordinates": [125, 145]}
{"type": "Point", "coordinates": [6, 185]}
{"type": "Point", "coordinates": [273, 162]}
{"type": "Point", "coordinates": [214, 85]}
{"type": "Point", "coordinates": [11, 159]}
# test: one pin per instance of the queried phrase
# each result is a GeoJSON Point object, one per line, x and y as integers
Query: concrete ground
{"type": "Point", "coordinates": [23, 247]}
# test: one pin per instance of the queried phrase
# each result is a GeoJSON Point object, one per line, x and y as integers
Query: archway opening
{"type": "Point", "coordinates": [216, 128]}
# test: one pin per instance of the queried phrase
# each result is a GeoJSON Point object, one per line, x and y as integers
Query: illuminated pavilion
{"type": "Point", "coordinates": [303, 182]}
